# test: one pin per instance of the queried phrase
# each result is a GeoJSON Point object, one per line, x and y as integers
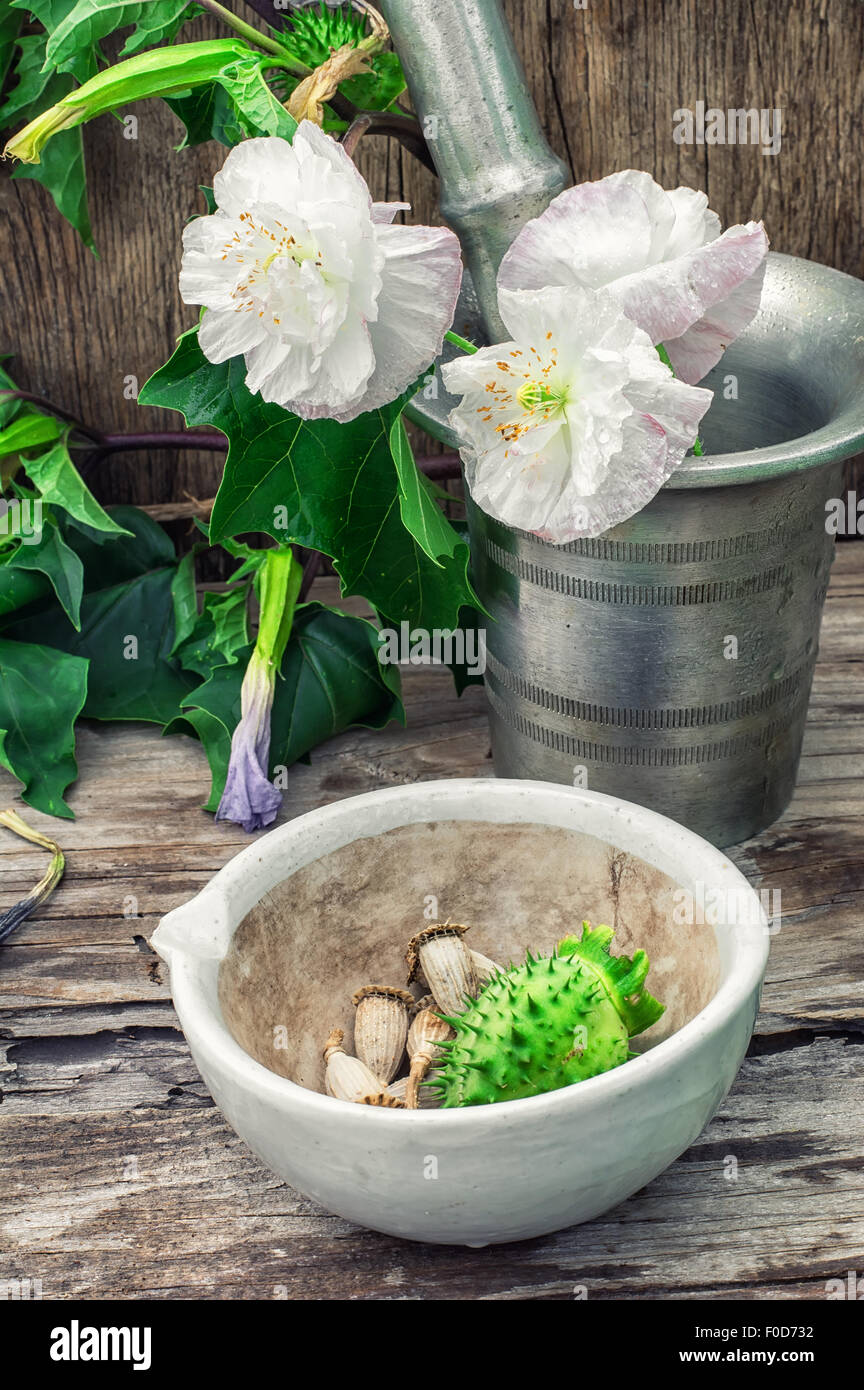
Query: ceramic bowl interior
{"type": "Point", "coordinates": [344, 920]}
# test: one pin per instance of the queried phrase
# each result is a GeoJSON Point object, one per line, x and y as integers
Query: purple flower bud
{"type": "Point", "coordinates": [249, 799]}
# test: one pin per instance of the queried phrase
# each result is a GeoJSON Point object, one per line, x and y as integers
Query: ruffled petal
{"type": "Point", "coordinates": [420, 286]}
{"type": "Point", "coordinates": [588, 235]}
{"type": "Point", "coordinates": [695, 223]}
{"type": "Point", "coordinates": [229, 333]}
{"type": "Point", "coordinates": [701, 347]}
{"type": "Point", "coordinates": [261, 170]}
{"type": "Point", "coordinates": [667, 299]}
{"type": "Point", "coordinates": [249, 799]}
{"type": "Point", "coordinates": [576, 424]}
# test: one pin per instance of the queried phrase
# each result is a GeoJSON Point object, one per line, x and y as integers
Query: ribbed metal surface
{"type": "Point", "coordinates": [612, 663]}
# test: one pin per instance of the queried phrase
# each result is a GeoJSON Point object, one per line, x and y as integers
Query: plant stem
{"type": "Point", "coordinates": [252, 35]}
{"type": "Point", "coordinates": [46, 885]}
{"type": "Point", "coordinates": [167, 439]}
{"type": "Point", "coordinates": [461, 343]}
{"type": "Point", "coordinates": [355, 132]}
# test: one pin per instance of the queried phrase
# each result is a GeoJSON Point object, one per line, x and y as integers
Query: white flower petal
{"type": "Point", "coordinates": [383, 213]}
{"type": "Point", "coordinates": [419, 288]}
{"type": "Point", "coordinates": [261, 170]}
{"type": "Point", "coordinates": [298, 270]}
{"type": "Point", "coordinates": [575, 425]}
{"type": "Point", "coordinates": [695, 223]}
{"type": "Point", "coordinates": [660, 254]}
{"type": "Point", "coordinates": [701, 347]}
{"type": "Point", "coordinates": [228, 333]}
{"type": "Point", "coordinates": [660, 210]}
{"type": "Point", "coordinates": [588, 235]}
{"type": "Point", "coordinates": [668, 299]}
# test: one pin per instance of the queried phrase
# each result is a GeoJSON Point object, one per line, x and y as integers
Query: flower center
{"type": "Point", "coordinates": [534, 394]}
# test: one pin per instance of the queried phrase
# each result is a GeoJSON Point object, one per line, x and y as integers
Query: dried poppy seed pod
{"type": "Point", "coordinates": [347, 1078]}
{"type": "Point", "coordinates": [425, 1036]}
{"type": "Point", "coordinates": [427, 1099]}
{"type": "Point", "coordinates": [446, 964]}
{"type": "Point", "coordinates": [381, 1027]}
{"type": "Point", "coordinates": [485, 967]}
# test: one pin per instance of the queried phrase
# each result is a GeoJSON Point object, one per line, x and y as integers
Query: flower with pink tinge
{"type": "Point", "coordinates": [659, 254]}
{"type": "Point", "coordinates": [335, 310]}
{"type": "Point", "coordinates": [576, 423]}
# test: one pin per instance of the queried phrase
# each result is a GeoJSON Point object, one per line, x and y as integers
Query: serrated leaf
{"type": "Point", "coordinates": [60, 565]}
{"type": "Point", "coordinates": [333, 485]}
{"type": "Point", "coordinates": [59, 483]}
{"type": "Point", "coordinates": [42, 692]}
{"type": "Point", "coordinates": [158, 24]}
{"type": "Point", "coordinates": [51, 14]}
{"type": "Point", "coordinates": [88, 21]}
{"type": "Point", "coordinates": [29, 81]}
{"type": "Point", "coordinates": [127, 632]}
{"type": "Point", "coordinates": [208, 114]}
{"type": "Point", "coordinates": [330, 680]}
{"type": "Point", "coordinates": [258, 110]}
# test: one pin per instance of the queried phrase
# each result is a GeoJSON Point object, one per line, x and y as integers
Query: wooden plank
{"type": "Point", "coordinates": [167, 1202]}
{"type": "Point", "coordinates": [143, 1191]}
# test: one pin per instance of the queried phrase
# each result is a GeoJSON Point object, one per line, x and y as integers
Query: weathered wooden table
{"type": "Point", "coordinates": [121, 1179]}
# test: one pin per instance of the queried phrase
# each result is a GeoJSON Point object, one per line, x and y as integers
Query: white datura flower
{"type": "Point", "coordinates": [660, 255]}
{"type": "Point", "coordinates": [575, 424]}
{"type": "Point", "coordinates": [335, 311]}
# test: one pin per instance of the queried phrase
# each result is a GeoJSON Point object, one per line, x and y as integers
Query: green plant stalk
{"type": "Point", "coordinates": [461, 343]}
{"type": "Point", "coordinates": [252, 35]}
{"type": "Point", "coordinates": [158, 73]}
{"type": "Point", "coordinates": [279, 580]}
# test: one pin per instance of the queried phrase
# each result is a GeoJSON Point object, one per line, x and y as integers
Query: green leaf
{"type": "Point", "coordinates": [28, 432]}
{"type": "Point", "coordinates": [184, 599]}
{"type": "Point", "coordinates": [333, 486]}
{"type": "Point", "coordinates": [220, 633]}
{"type": "Point", "coordinates": [330, 679]}
{"type": "Point", "coordinates": [127, 633]}
{"type": "Point", "coordinates": [426, 522]}
{"type": "Point", "coordinates": [378, 89]}
{"type": "Point", "coordinates": [51, 14]}
{"type": "Point", "coordinates": [88, 21]}
{"type": "Point", "coordinates": [30, 80]}
{"type": "Point", "coordinates": [19, 588]}
{"type": "Point", "coordinates": [107, 560]}
{"type": "Point", "coordinates": [158, 24]}
{"type": "Point", "coordinates": [61, 170]}
{"type": "Point", "coordinates": [41, 695]}
{"type": "Point", "coordinates": [208, 113]}
{"type": "Point", "coordinates": [61, 485]}
{"type": "Point", "coordinates": [258, 110]}
{"type": "Point", "coordinates": [61, 566]}
{"type": "Point", "coordinates": [10, 24]}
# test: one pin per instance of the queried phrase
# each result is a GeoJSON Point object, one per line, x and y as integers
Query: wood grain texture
{"type": "Point", "coordinates": [606, 79]}
{"type": "Point", "coordinates": [120, 1178]}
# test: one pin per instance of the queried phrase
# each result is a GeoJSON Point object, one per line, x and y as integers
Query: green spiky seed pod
{"type": "Point", "coordinates": [548, 1023]}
